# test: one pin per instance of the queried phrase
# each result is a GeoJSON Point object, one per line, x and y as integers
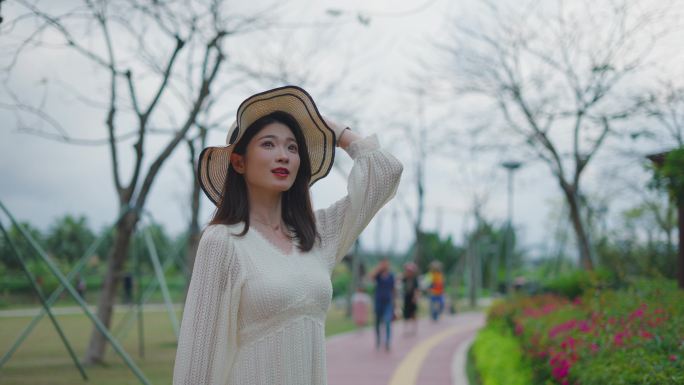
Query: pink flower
{"type": "Point", "coordinates": [518, 329]}
{"type": "Point", "coordinates": [638, 313]}
{"type": "Point", "coordinates": [568, 343]}
{"type": "Point", "coordinates": [594, 348]}
{"type": "Point", "coordinates": [673, 357]}
{"type": "Point", "coordinates": [563, 327]}
{"type": "Point", "coordinates": [646, 335]}
{"type": "Point", "coordinates": [584, 327]}
{"type": "Point", "coordinates": [561, 370]}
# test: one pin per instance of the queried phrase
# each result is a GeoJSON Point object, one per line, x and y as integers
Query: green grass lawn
{"type": "Point", "coordinates": [43, 359]}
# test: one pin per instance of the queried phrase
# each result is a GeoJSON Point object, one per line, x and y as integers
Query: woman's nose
{"type": "Point", "coordinates": [282, 155]}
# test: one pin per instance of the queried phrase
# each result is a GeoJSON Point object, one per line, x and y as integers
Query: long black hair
{"type": "Point", "coordinates": [297, 212]}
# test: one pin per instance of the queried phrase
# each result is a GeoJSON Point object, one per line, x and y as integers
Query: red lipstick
{"type": "Point", "coordinates": [281, 172]}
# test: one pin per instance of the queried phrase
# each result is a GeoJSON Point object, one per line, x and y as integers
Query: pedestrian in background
{"type": "Point", "coordinates": [410, 294]}
{"type": "Point", "coordinates": [436, 290]}
{"type": "Point", "coordinates": [384, 302]}
{"type": "Point", "coordinates": [361, 303]}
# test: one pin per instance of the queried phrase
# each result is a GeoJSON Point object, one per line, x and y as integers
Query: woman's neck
{"type": "Point", "coordinates": [265, 208]}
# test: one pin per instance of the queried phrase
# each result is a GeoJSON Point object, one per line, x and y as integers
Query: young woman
{"type": "Point", "coordinates": [260, 288]}
{"type": "Point", "coordinates": [411, 291]}
{"type": "Point", "coordinates": [383, 305]}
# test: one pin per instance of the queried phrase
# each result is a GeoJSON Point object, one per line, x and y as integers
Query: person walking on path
{"type": "Point", "coordinates": [436, 290]}
{"type": "Point", "coordinates": [361, 303]}
{"type": "Point", "coordinates": [410, 294]}
{"type": "Point", "coordinates": [384, 302]}
{"type": "Point", "coordinates": [260, 288]}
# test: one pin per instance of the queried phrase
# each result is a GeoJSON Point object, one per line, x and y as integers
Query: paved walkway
{"type": "Point", "coordinates": [435, 355]}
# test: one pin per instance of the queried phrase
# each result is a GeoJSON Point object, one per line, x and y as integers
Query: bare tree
{"type": "Point", "coordinates": [558, 73]}
{"type": "Point", "coordinates": [666, 107]}
{"type": "Point", "coordinates": [137, 49]}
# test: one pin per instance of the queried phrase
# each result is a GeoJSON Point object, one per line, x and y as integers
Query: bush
{"type": "Point", "coordinates": [631, 336]}
{"type": "Point", "coordinates": [631, 367]}
{"type": "Point", "coordinates": [576, 283]}
{"type": "Point", "coordinates": [341, 279]}
{"type": "Point", "coordinates": [498, 357]}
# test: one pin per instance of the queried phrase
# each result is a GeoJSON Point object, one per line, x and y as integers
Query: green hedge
{"type": "Point", "coordinates": [498, 357]}
{"type": "Point", "coordinates": [636, 366]}
{"type": "Point", "coordinates": [574, 284]}
{"type": "Point", "coordinates": [623, 337]}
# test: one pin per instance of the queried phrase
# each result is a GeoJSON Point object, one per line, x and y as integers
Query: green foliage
{"type": "Point", "coordinates": [443, 250]}
{"type": "Point", "coordinates": [498, 357]}
{"type": "Point", "coordinates": [628, 336]}
{"type": "Point", "coordinates": [341, 279]}
{"type": "Point", "coordinates": [66, 242]}
{"type": "Point", "coordinates": [138, 249]}
{"type": "Point", "coordinates": [670, 175]}
{"type": "Point", "coordinates": [642, 242]}
{"type": "Point", "coordinates": [69, 238]}
{"type": "Point", "coordinates": [574, 284]}
{"type": "Point", "coordinates": [628, 258]}
{"type": "Point", "coordinates": [632, 367]}
{"type": "Point", "coordinates": [7, 256]}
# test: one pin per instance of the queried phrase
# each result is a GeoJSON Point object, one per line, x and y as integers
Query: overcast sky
{"type": "Point", "coordinates": [378, 45]}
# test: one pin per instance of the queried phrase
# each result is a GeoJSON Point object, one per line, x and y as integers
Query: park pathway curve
{"type": "Point", "coordinates": [435, 355]}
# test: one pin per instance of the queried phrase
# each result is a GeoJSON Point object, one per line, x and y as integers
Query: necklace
{"type": "Point", "coordinates": [276, 228]}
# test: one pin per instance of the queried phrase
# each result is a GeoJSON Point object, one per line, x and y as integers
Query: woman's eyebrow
{"type": "Point", "coordinates": [271, 136]}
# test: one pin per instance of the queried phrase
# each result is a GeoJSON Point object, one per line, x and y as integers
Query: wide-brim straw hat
{"type": "Point", "coordinates": [320, 139]}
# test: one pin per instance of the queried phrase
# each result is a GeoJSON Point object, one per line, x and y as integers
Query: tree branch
{"type": "Point", "coordinates": [192, 116]}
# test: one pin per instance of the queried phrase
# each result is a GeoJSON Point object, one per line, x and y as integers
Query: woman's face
{"type": "Point", "coordinates": [271, 161]}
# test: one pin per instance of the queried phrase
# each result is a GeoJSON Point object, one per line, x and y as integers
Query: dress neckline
{"type": "Point", "coordinates": [293, 243]}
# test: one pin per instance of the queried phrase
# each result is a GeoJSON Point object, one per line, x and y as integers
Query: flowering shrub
{"type": "Point", "coordinates": [499, 360]}
{"type": "Point", "coordinates": [634, 336]}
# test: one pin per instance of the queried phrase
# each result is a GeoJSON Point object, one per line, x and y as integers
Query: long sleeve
{"type": "Point", "coordinates": [373, 181]}
{"type": "Point", "coordinates": [208, 337]}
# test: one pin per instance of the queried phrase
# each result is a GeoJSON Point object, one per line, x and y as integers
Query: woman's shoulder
{"type": "Point", "coordinates": [220, 233]}
{"type": "Point", "coordinates": [221, 230]}
{"type": "Point", "coordinates": [218, 241]}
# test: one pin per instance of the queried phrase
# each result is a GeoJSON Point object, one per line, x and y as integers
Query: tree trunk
{"type": "Point", "coordinates": [105, 304]}
{"type": "Point", "coordinates": [418, 257]}
{"type": "Point", "coordinates": [194, 231]}
{"type": "Point", "coordinates": [680, 265]}
{"type": "Point", "coordinates": [580, 233]}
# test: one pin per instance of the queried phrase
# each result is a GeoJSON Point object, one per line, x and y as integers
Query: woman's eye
{"type": "Point", "coordinates": [267, 144]}
{"type": "Point", "coordinates": [292, 148]}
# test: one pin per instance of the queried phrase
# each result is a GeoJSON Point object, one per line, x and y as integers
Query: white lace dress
{"type": "Point", "coordinates": [256, 316]}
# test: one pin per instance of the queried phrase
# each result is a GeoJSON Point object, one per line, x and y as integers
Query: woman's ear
{"type": "Point", "coordinates": [238, 163]}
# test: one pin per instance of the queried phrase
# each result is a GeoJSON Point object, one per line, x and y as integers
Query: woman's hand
{"type": "Point", "coordinates": [337, 128]}
{"type": "Point", "coordinates": [343, 135]}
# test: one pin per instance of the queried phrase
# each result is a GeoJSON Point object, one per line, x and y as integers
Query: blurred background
{"type": "Point", "coordinates": [539, 139]}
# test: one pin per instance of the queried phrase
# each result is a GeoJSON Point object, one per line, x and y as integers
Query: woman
{"type": "Point", "coordinates": [260, 289]}
{"type": "Point", "coordinates": [410, 290]}
{"type": "Point", "coordinates": [384, 302]}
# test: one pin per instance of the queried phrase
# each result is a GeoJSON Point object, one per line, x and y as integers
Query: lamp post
{"type": "Point", "coordinates": [510, 166]}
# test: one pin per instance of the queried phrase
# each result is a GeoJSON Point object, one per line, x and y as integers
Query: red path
{"type": "Point", "coordinates": [353, 360]}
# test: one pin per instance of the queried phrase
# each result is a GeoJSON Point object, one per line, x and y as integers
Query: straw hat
{"type": "Point", "coordinates": [320, 139]}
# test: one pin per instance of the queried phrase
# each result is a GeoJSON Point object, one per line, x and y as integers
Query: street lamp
{"type": "Point", "coordinates": [510, 166]}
